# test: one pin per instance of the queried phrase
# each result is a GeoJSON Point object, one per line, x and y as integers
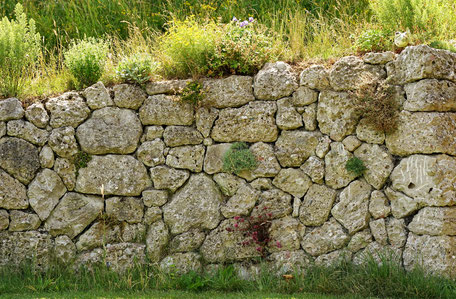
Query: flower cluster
{"type": "Point", "coordinates": [243, 23]}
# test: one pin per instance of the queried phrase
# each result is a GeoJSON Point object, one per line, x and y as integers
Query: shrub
{"type": "Point", "coordinates": [192, 93]}
{"type": "Point", "coordinates": [356, 166]}
{"type": "Point", "coordinates": [373, 40]}
{"type": "Point", "coordinates": [86, 60]}
{"type": "Point", "coordinates": [19, 49]}
{"type": "Point", "coordinates": [238, 158]}
{"type": "Point", "coordinates": [136, 68]}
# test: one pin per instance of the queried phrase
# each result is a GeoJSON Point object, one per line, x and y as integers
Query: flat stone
{"type": "Point", "coordinates": [99, 234]}
{"type": "Point", "coordinates": [73, 214]}
{"type": "Point", "coordinates": [274, 202]}
{"type": "Point", "coordinates": [181, 263]}
{"type": "Point", "coordinates": [128, 209]}
{"type": "Point", "coordinates": [267, 164]}
{"type": "Point", "coordinates": [253, 122]}
{"type": "Point", "coordinates": [152, 215]}
{"type": "Point", "coordinates": [309, 117]}
{"type": "Point", "coordinates": [46, 157]}
{"type": "Point", "coordinates": [119, 175]}
{"type": "Point", "coordinates": [200, 193]}
{"type": "Point", "coordinates": [401, 204]}
{"type": "Point", "coordinates": [97, 96]}
{"type": "Point", "coordinates": [69, 109]}
{"type": "Point", "coordinates": [129, 96]}
{"type": "Point", "coordinates": [242, 203]}
{"type": "Point", "coordinates": [397, 233]}
{"type": "Point", "coordinates": [304, 96]}
{"type": "Point", "coordinates": [366, 132]}
{"type": "Point", "coordinates": [67, 171]}
{"type": "Point", "coordinates": [293, 181]}
{"type": "Point", "coordinates": [315, 168]}
{"type": "Point", "coordinates": [166, 110]}
{"type": "Point", "coordinates": [45, 191]}
{"type": "Point", "coordinates": [294, 147]}
{"type": "Point", "coordinates": [336, 175]}
{"type": "Point", "coordinates": [63, 142]}
{"type": "Point", "coordinates": [378, 162]}
{"type": "Point", "coordinates": [233, 91]}
{"type": "Point", "coordinates": [316, 205]}
{"type": "Point", "coordinates": [166, 87]}
{"type": "Point", "coordinates": [434, 221]}
{"type": "Point", "coordinates": [37, 115]}
{"type": "Point", "coordinates": [326, 238]}
{"type": "Point", "coordinates": [352, 209]}
{"type": "Point", "coordinates": [64, 249]}
{"type": "Point", "coordinates": [228, 183]}
{"type": "Point", "coordinates": [204, 119]}
{"type": "Point", "coordinates": [180, 135]}
{"type": "Point", "coordinates": [287, 117]}
{"type": "Point", "coordinates": [19, 158]}
{"type": "Point", "coordinates": [154, 198]}
{"type": "Point", "coordinates": [156, 240]}
{"type": "Point", "coordinates": [13, 194]}
{"type": "Point", "coordinates": [11, 109]}
{"type": "Point", "coordinates": [188, 241]}
{"type": "Point", "coordinates": [213, 162]}
{"type": "Point", "coordinates": [151, 153]}
{"type": "Point", "coordinates": [274, 81]}
{"type": "Point", "coordinates": [153, 132]}
{"type": "Point", "coordinates": [4, 220]}
{"type": "Point", "coordinates": [360, 240]}
{"type": "Point", "coordinates": [285, 234]}
{"type": "Point", "coordinates": [315, 77]}
{"type": "Point", "coordinates": [430, 95]}
{"type": "Point", "coordinates": [21, 221]}
{"type": "Point", "coordinates": [186, 157]}
{"type": "Point", "coordinates": [378, 205]}
{"type": "Point", "coordinates": [168, 178]}
{"type": "Point", "coordinates": [351, 143]}
{"type": "Point", "coordinates": [378, 229]}
{"type": "Point", "coordinates": [379, 58]}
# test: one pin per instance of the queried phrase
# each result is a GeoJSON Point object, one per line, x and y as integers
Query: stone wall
{"type": "Point", "coordinates": [155, 186]}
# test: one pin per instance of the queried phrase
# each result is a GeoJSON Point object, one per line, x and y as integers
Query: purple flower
{"type": "Point", "coordinates": [251, 19]}
{"type": "Point", "coordinates": [234, 19]}
{"type": "Point", "coordinates": [243, 24]}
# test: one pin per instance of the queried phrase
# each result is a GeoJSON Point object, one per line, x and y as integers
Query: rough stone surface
{"type": "Point", "coordinates": [45, 191]}
{"type": "Point", "coordinates": [285, 234]}
{"type": "Point", "coordinates": [401, 204]}
{"type": "Point", "coordinates": [293, 181]}
{"type": "Point", "coordinates": [430, 95]}
{"type": "Point", "coordinates": [296, 206]}
{"type": "Point", "coordinates": [360, 240]}
{"type": "Point", "coordinates": [304, 96]}
{"type": "Point", "coordinates": [188, 241]}
{"type": "Point", "coordinates": [213, 162]}
{"type": "Point", "coordinates": [287, 117]}
{"type": "Point", "coordinates": [19, 158]}
{"type": "Point", "coordinates": [120, 175]}
{"type": "Point", "coordinates": [11, 109]}
{"type": "Point", "coordinates": [2, 129]}
{"type": "Point", "coordinates": [352, 209]}
{"type": "Point", "coordinates": [46, 157]}
{"type": "Point", "coordinates": [324, 143]}
{"type": "Point", "coordinates": [315, 168]}
{"type": "Point", "coordinates": [333, 258]}
{"type": "Point", "coordinates": [156, 240]}
{"type": "Point", "coordinates": [99, 234]}
{"type": "Point", "coordinates": [262, 184]}
{"type": "Point", "coordinates": [151, 153]}
{"type": "Point", "coordinates": [316, 206]}
{"type": "Point", "coordinates": [64, 249]}
{"type": "Point", "coordinates": [166, 87]}
{"type": "Point", "coordinates": [326, 238]}
{"type": "Point", "coordinates": [379, 58]}
{"type": "Point", "coordinates": [366, 132]}
{"type": "Point", "coordinates": [128, 209]}
{"type": "Point", "coordinates": [351, 143]}
{"type": "Point", "coordinates": [434, 221]}
{"type": "Point", "coordinates": [200, 193]}
{"type": "Point", "coordinates": [378, 162]}
{"type": "Point", "coordinates": [241, 203]}
{"type": "Point", "coordinates": [181, 263]}
{"type": "Point", "coordinates": [129, 96]}
{"type": "Point", "coordinates": [186, 157]}
{"type": "Point", "coordinates": [315, 77]}
{"type": "Point", "coordinates": [73, 214]}
{"type": "Point", "coordinates": [274, 81]}
{"type": "Point", "coordinates": [17, 248]}
{"type": "Point", "coordinates": [21, 221]}
{"type": "Point", "coordinates": [274, 202]}
{"type": "Point", "coordinates": [180, 135]}
{"type": "Point", "coordinates": [166, 110]}
{"type": "Point", "coordinates": [154, 198]}
{"type": "Point", "coordinates": [153, 132]}
{"type": "Point", "coordinates": [378, 205]}
{"type": "Point", "coordinates": [63, 142]}
{"type": "Point", "coordinates": [228, 183]}
{"type": "Point", "coordinates": [309, 117]}
{"type": "Point", "coordinates": [233, 91]}
{"type": "Point", "coordinates": [67, 171]}
{"type": "Point", "coordinates": [289, 262]}
{"type": "Point", "coordinates": [204, 118]}
{"type": "Point", "coordinates": [397, 233]}
{"type": "Point", "coordinates": [336, 175]}
{"type": "Point", "coordinates": [37, 115]}
{"type": "Point", "coordinates": [152, 214]}
{"type": "Point", "coordinates": [168, 178]}
{"type": "Point", "coordinates": [378, 229]}
{"type": "Point", "coordinates": [4, 220]}
{"type": "Point", "coordinates": [294, 147]}
{"type": "Point", "coordinates": [97, 96]}
{"type": "Point", "coordinates": [12, 193]}
{"type": "Point", "coordinates": [68, 109]}
{"type": "Point", "coordinates": [250, 123]}
{"type": "Point", "coordinates": [267, 164]}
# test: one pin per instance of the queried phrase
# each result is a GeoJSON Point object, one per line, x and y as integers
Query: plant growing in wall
{"type": "Point", "coordinates": [193, 93]}
{"type": "Point", "coordinates": [81, 160]}
{"type": "Point", "coordinates": [356, 166]}
{"type": "Point", "coordinates": [238, 158]}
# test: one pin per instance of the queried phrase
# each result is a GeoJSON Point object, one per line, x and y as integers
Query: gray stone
{"type": "Point", "coordinates": [21, 221]}
{"type": "Point", "coordinates": [133, 232]}
{"type": "Point", "coordinates": [151, 153]}
{"type": "Point", "coordinates": [228, 183]}
{"type": "Point", "coordinates": [180, 135]}
{"type": "Point", "coordinates": [37, 115]}
{"type": "Point", "coordinates": [287, 117]}
{"type": "Point", "coordinates": [98, 235]}
{"type": "Point", "coordinates": [153, 132]}
{"type": "Point", "coordinates": [351, 143]}
{"type": "Point", "coordinates": [315, 168]}
{"type": "Point", "coordinates": [119, 175]}
{"type": "Point", "coordinates": [181, 263]}
{"type": "Point", "coordinates": [154, 198]}
{"type": "Point", "coordinates": [188, 241]}
{"type": "Point", "coordinates": [315, 77]}
{"type": "Point", "coordinates": [156, 240]}
{"type": "Point", "coordinates": [152, 214]}
{"type": "Point", "coordinates": [19, 158]}
{"type": "Point", "coordinates": [274, 81]}
{"type": "Point", "coordinates": [397, 233]}
{"type": "Point", "coordinates": [336, 175]}
{"type": "Point", "coordinates": [326, 238]}
{"type": "Point", "coordinates": [324, 143]}
{"type": "Point", "coordinates": [366, 132]}
{"type": "Point", "coordinates": [128, 209]}
{"type": "Point", "coordinates": [166, 87]}
{"type": "Point", "coordinates": [68, 109]}
{"type": "Point", "coordinates": [267, 164]}
{"type": "Point", "coordinates": [4, 220]}
{"type": "Point", "coordinates": [293, 181]}
{"type": "Point", "coordinates": [304, 96]}
{"type": "Point", "coordinates": [73, 214]}
{"type": "Point", "coordinates": [67, 171]}
{"type": "Point", "coordinates": [290, 262]}
{"type": "Point", "coordinates": [129, 96]}
{"type": "Point", "coordinates": [204, 119]}
{"type": "Point", "coordinates": [262, 184]}
{"type": "Point", "coordinates": [97, 96]}
{"type": "Point", "coordinates": [46, 157]}
{"type": "Point", "coordinates": [378, 162]}
{"type": "Point", "coordinates": [360, 240]}
{"type": "Point", "coordinates": [63, 142]}
{"type": "Point", "coordinates": [401, 204]}
{"type": "Point", "coordinates": [317, 204]}
{"type": "Point", "coordinates": [11, 109]}
{"type": "Point", "coordinates": [434, 221]}
{"type": "Point", "coordinates": [186, 157]}
{"type": "Point", "coordinates": [213, 162]}
{"type": "Point", "coordinates": [2, 129]}
{"type": "Point", "coordinates": [13, 194]}
{"type": "Point", "coordinates": [168, 178]}
{"type": "Point", "coordinates": [378, 205]}
{"type": "Point", "coordinates": [274, 202]}
{"type": "Point", "coordinates": [294, 147]}
{"type": "Point", "coordinates": [309, 117]}
{"type": "Point", "coordinates": [166, 110]}
{"type": "Point", "coordinates": [379, 58]}
{"type": "Point", "coordinates": [242, 203]}
{"type": "Point", "coordinates": [250, 123]}
{"type": "Point", "coordinates": [44, 192]}
{"type": "Point", "coordinates": [296, 206]}
{"type": "Point", "coordinates": [285, 234]}
{"type": "Point", "coordinates": [200, 193]}
{"type": "Point", "coordinates": [378, 229]}
{"type": "Point", "coordinates": [64, 249]}
{"type": "Point", "coordinates": [430, 95]}
{"type": "Point", "coordinates": [233, 91]}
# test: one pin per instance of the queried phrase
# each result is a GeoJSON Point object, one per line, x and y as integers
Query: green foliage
{"type": "Point", "coordinates": [373, 40]}
{"type": "Point", "coordinates": [356, 166]}
{"type": "Point", "coordinates": [443, 45]}
{"type": "Point", "coordinates": [86, 60]}
{"type": "Point", "coordinates": [238, 158]}
{"type": "Point", "coordinates": [81, 160]}
{"type": "Point", "coordinates": [19, 49]}
{"type": "Point", "coordinates": [192, 93]}
{"type": "Point", "coordinates": [137, 68]}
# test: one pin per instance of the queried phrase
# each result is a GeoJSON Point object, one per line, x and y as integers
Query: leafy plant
{"type": "Point", "coordinates": [192, 93]}
{"type": "Point", "coordinates": [19, 49]}
{"type": "Point", "coordinates": [238, 158]}
{"type": "Point", "coordinates": [373, 40]}
{"type": "Point", "coordinates": [81, 160]}
{"type": "Point", "coordinates": [356, 166]}
{"type": "Point", "coordinates": [137, 68]}
{"type": "Point", "coordinates": [86, 60]}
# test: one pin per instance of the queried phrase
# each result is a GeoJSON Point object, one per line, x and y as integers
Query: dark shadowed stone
{"type": "Point", "coordinates": [19, 158]}
{"type": "Point", "coordinates": [11, 109]}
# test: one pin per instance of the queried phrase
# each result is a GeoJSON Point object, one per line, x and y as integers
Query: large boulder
{"type": "Point", "coordinates": [19, 158]}
{"type": "Point", "coordinates": [233, 91]}
{"type": "Point", "coordinates": [156, 240]}
{"type": "Point", "coordinates": [151, 153]}
{"type": "Point", "coordinates": [274, 81]}
{"type": "Point", "coordinates": [435, 221]}
{"type": "Point", "coordinates": [242, 203]}
{"type": "Point", "coordinates": [317, 204]}
{"type": "Point", "coordinates": [430, 95]}
{"type": "Point", "coordinates": [326, 238]}
{"type": "Point", "coordinates": [315, 77]}
{"type": "Point", "coordinates": [287, 117]}
{"type": "Point", "coordinates": [37, 115]}
{"type": "Point", "coordinates": [22, 221]}
{"type": "Point", "coordinates": [129, 209]}
{"type": "Point", "coordinates": [294, 147]}
{"type": "Point", "coordinates": [19, 248]}
{"type": "Point", "coordinates": [97, 96]}
{"type": "Point", "coordinates": [69, 109]}
{"type": "Point", "coordinates": [129, 96]}
{"type": "Point", "coordinates": [168, 178]}
{"type": "Point", "coordinates": [378, 162]}
{"type": "Point", "coordinates": [13, 194]}
{"type": "Point", "coordinates": [293, 181]}
{"type": "Point", "coordinates": [188, 241]}
{"type": "Point", "coordinates": [11, 109]}
{"type": "Point", "coordinates": [267, 164]}
{"type": "Point", "coordinates": [186, 157]}
{"type": "Point", "coordinates": [166, 110]}
{"type": "Point", "coordinates": [274, 203]}
{"type": "Point", "coordinates": [27, 131]}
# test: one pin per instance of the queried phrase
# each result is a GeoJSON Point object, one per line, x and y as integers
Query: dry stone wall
{"type": "Point", "coordinates": [154, 188]}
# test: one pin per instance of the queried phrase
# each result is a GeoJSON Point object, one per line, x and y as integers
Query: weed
{"type": "Point", "coordinates": [356, 166]}
{"type": "Point", "coordinates": [238, 158]}
{"type": "Point", "coordinates": [192, 93]}
{"type": "Point", "coordinates": [81, 160]}
{"type": "Point", "coordinates": [136, 68]}
{"type": "Point", "coordinates": [373, 40]}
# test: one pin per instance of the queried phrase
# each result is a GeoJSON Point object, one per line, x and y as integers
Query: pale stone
{"type": "Point", "coordinates": [129, 96]}
{"type": "Point", "coordinates": [360, 240]}
{"type": "Point", "coordinates": [166, 87]}
{"type": "Point", "coordinates": [293, 181]}
{"type": "Point", "coordinates": [204, 119]}
{"type": "Point", "coordinates": [336, 175]}
{"type": "Point", "coordinates": [4, 220]}
{"type": "Point", "coordinates": [11, 109]}
{"type": "Point", "coordinates": [44, 192]}
{"type": "Point", "coordinates": [366, 132]}
{"type": "Point", "coordinates": [352, 209]}
{"type": "Point", "coordinates": [151, 153]}
{"type": "Point", "coordinates": [378, 229]}
{"type": "Point", "coordinates": [19, 158]}
{"type": "Point", "coordinates": [27, 131]}
{"type": "Point", "coordinates": [378, 163]}
{"type": "Point", "coordinates": [348, 72]}
{"type": "Point", "coordinates": [274, 81]}
{"type": "Point", "coordinates": [213, 162]}
{"type": "Point", "coordinates": [290, 262]}
{"type": "Point", "coordinates": [241, 203]}
{"type": "Point", "coordinates": [97, 96]}
{"type": "Point", "coordinates": [430, 95]}
{"type": "Point", "coordinates": [166, 110]}
{"type": "Point", "coordinates": [180, 135]}
{"type": "Point", "coordinates": [315, 168]}
{"type": "Point", "coordinates": [37, 115]}
{"type": "Point", "coordinates": [98, 235]}
{"type": "Point", "coordinates": [181, 263]}
{"type": "Point", "coordinates": [152, 214]}
{"type": "Point", "coordinates": [309, 117]}
{"type": "Point", "coordinates": [317, 204]}
{"type": "Point", "coordinates": [153, 132]}
{"type": "Point", "coordinates": [434, 221]}
{"type": "Point", "coordinates": [250, 123]}
{"type": "Point", "coordinates": [73, 214]}
{"type": "Point", "coordinates": [63, 142]}
{"type": "Point", "coordinates": [274, 202]}
{"type": "Point", "coordinates": [334, 258]}
{"type": "Point", "coordinates": [188, 241]}
{"type": "Point", "coordinates": [315, 77]}
{"type": "Point", "coordinates": [64, 249]}
{"type": "Point", "coordinates": [208, 141]}
{"type": "Point", "coordinates": [156, 240]}
{"type": "Point", "coordinates": [154, 198]}
{"type": "Point", "coordinates": [397, 233]}
{"type": "Point", "coordinates": [21, 221]}
{"type": "Point", "coordinates": [233, 91]}
{"type": "Point", "coordinates": [296, 206]}
{"type": "Point", "coordinates": [294, 147]}
{"type": "Point", "coordinates": [128, 209]}
{"type": "Point", "coordinates": [337, 114]}
{"type": "Point", "coordinates": [379, 58]}
{"type": "Point", "coordinates": [13, 194]}
{"type": "Point", "coordinates": [67, 172]}
{"type": "Point", "coordinates": [326, 238]}
{"type": "Point", "coordinates": [46, 157]}
{"type": "Point", "coordinates": [324, 143]}
{"type": "Point", "coordinates": [68, 109]}
{"type": "Point", "coordinates": [401, 204]}
{"type": "Point", "coordinates": [262, 184]}
{"type": "Point", "coordinates": [2, 128]}
{"type": "Point", "coordinates": [186, 157]}
{"type": "Point", "coordinates": [287, 117]}
{"type": "Point", "coordinates": [133, 232]}
{"type": "Point", "coordinates": [228, 183]}
{"type": "Point", "coordinates": [168, 178]}
{"type": "Point", "coordinates": [351, 143]}
{"type": "Point", "coordinates": [200, 193]}
{"type": "Point", "coordinates": [285, 234]}
{"type": "Point", "coordinates": [378, 205]}
{"type": "Point", "coordinates": [267, 164]}
{"type": "Point", "coordinates": [119, 175]}
{"type": "Point", "coordinates": [304, 96]}
{"type": "Point", "coordinates": [416, 134]}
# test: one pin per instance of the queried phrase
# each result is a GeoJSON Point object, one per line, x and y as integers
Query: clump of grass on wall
{"type": "Point", "coordinates": [192, 93]}
{"type": "Point", "coordinates": [356, 166]}
{"type": "Point", "coordinates": [238, 158]}
{"type": "Point", "coordinates": [136, 68]}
